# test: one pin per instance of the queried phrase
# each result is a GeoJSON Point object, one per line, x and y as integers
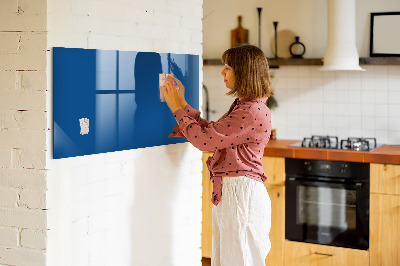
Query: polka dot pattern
{"type": "Point", "coordinates": [238, 139]}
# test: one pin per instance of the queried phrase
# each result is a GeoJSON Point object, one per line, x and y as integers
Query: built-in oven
{"type": "Point", "coordinates": [327, 202]}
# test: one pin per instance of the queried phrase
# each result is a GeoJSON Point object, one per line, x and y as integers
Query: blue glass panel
{"type": "Point", "coordinates": [106, 101]}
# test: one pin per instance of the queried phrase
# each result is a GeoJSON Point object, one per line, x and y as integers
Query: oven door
{"type": "Point", "coordinates": [327, 213]}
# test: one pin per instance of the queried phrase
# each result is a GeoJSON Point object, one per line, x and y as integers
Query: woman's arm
{"type": "Point", "coordinates": [175, 98]}
{"type": "Point", "coordinates": [193, 113]}
{"type": "Point", "coordinates": [239, 127]}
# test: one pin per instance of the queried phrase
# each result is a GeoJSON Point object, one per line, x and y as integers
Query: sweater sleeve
{"type": "Point", "coordinates": [193, 113]}
{"type": "Point", "coordinates": [234, 129]}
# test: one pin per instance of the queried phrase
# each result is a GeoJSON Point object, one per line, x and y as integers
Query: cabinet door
{"type": "Point", "coordinates": [274, 168]}
{"type": "Point", "coordinates": [385, 178]}
{"type": "Point", "coordinates": [305, 254]}
{"type": "Point", "coordinates": [384, 229]}
{"type": "Point", "coordinates": [277, 233]}
{"type": "Point", "coordinates": [206, 232]}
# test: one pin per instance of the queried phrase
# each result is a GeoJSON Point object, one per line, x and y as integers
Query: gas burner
{"type": "Point", "coordinates": [358, 144]}
{"type": "Point", "coordinates": [327, 142]}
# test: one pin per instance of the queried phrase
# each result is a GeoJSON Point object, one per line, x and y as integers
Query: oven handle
{"type": "Point", "coordinates": [357, 185]}
{"type": "Point", "coordinates": [325, 254]}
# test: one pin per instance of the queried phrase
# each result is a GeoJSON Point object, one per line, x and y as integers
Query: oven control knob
{"type": "Point", "coordinates": [343, 168]}
{"type": "Point", "coordinates": [308, 166]}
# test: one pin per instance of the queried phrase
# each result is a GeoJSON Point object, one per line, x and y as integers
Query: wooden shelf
{"type": "Point", "coordinates": [273, 63]}
{"type": "Point", "coordinates": [380, 61]}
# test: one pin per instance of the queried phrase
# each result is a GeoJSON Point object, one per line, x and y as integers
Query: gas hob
{"type": "Point", "coordinates": [332, 142]}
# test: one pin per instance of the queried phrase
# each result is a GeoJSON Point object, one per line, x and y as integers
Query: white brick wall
{"type": "Point", "coordinates": [135, 207]}
{"type": "Point", "coordinates": [34, 239]}
{"type": "Point", "coordinates": [23, 128]}
{"type": "Point", "coordinates": [9, 237]}
{"type": "Point", "coordinates": [99, 207]}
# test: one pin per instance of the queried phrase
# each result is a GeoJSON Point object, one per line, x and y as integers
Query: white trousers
{"type": "Point", "coordinates": [241, 223]}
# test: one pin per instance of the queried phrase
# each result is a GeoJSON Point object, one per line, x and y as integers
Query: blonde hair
{"type": "Point", "coordinates": [250, 66]}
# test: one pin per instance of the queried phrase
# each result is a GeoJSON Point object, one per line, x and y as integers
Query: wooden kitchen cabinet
{"type": "Point", "coordinates": [305, 254]}
{"type": "Point", "coordinates": [277, 233]}
{"type": "Point", "coordinates": [384, 236]}
{"type": "Point", "coordinates": [206, 225]}
{"type": "Point", "coordinates": [385, 178]}
{"type": "Point", "coordinates": [274, 168]}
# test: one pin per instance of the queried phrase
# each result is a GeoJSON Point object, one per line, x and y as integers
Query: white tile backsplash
{"type": "Point", "coordinates": [342, 123]}
{"type": "Point", "coordinates": [394, 124]}
{"type": "Point", "coordinates": [381, 97]}
{"type": "Point", "coordinates": [394, 137]}
{"type": "Point", "coordinates": [381, 110]}
{"type": "Point", "coordinates": [368, 123]}
{"type": "Point", "coordinates": [329, 109]}
{"type": "Point", "coordinates": [367, 97]}
{"type": "Point", "coordinates": [382, 136]}
{"type": "Point", "coordinates": [292, 83]}
{"type": "Point", "coordinates": [394, 97]}
{"type": "Point", "coordinates": [381, 83]}
{"type": "Point", "coordinates": [342, 109]}
{"type": "Point", "coordinates": [304, 82]}
{"type": "Point", "coordinates": [394, 110]}
{"type": "Point", "coordinates": [394, 82]}
{"type": "Point", "coordinates": [342, 96]}
{"type": "Point", "coordinates": [343, 103]}
{"type": "Point", "coordinates": [367, 110]}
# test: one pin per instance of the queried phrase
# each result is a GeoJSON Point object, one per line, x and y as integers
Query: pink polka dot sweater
{"type": "Point", "coordinates": [238, 139]}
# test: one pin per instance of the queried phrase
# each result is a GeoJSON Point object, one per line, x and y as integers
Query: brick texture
{"type": "Point", "coordinates": [33, 239]}
{"type": "Point", "coordinates": [9, 237]}
{"type": "Point", "coordinates": [23, 132]}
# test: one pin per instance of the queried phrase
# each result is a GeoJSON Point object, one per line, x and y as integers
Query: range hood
{"type": "Point", "coordinates": [341, 51]}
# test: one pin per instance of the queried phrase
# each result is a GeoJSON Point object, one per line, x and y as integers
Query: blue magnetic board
{"type": "Point", "coordinates": [109, 100]}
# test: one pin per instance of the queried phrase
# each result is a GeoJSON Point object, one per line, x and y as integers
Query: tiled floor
{"type": "Point", "coordinates": [206, 261]}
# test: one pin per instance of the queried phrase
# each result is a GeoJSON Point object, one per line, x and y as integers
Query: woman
{"type": "Point", "coordinates": [242, 208]}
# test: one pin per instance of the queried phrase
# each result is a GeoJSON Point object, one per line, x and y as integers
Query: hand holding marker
{"type": "Point", "coordinates": [174, 93]}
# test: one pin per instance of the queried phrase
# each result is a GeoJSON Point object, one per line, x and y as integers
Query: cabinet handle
{"type": "Point", "coordinates": [325, 254]}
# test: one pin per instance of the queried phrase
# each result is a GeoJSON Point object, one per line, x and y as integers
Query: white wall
{"type": "Point", "coordinates": [311, 102]}
{"type": "Point", "coordinates": [304, 18]}
{"type": "Point", "coordinates": [135, 207]}
{"type": "Point", "coordinates": [23, 132]}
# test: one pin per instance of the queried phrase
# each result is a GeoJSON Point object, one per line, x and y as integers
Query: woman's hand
{"type": "Point", "coordinates": [172, 95]}
{"type": "Point", "coordinates": [181, 89]}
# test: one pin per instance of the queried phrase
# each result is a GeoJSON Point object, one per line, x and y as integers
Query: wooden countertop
{"type": "Point", "coordinates": [389, 154]}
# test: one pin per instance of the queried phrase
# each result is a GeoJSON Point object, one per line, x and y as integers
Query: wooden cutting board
{"type": "Point", "coordinates": [239, 35]}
